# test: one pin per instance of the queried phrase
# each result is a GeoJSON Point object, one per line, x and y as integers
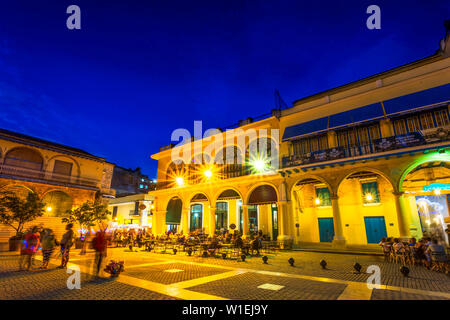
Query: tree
{"type": "Point", "coordinates": [16, 211]}
{"type": "Point", "coordinates": [88, 214]}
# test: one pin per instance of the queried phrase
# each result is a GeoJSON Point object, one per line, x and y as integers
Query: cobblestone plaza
{"type": "Point", "coordinates": [156, 276]}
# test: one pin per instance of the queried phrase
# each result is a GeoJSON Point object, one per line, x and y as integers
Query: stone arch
{"type": "Point", "coordinates": [361, 169]}
{"type": "Point", "coordinates": [431, 158]}
{"type": "Point", "coordinates": [193, 194]}
{"type": "Point", "coordinates": [315, 177]}
{"type": "Point", "coordinates": [18, 189]}
{"type": "Point", "coordinates": [25, 157]}
{"type": "Point", "coordinates": [167, 200]}
{"type": "Point", "coordinates": [57, 202]}
{"type": "Point", "coordinates": [257, 185]}
{"type": "Point", "coordinates": [217, 194]}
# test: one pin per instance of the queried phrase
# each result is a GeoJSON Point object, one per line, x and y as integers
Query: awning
{"type": "Point", "coordinates": [369, 113]}
{"type": "Point", "coordinates": [173, 213]}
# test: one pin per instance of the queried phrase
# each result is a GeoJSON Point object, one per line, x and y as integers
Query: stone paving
{"type": "Point", "coordinates": [151, 276]}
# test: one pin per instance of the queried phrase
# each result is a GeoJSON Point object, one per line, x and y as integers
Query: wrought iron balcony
{"type": "Point", "coordinates": [413, 139]}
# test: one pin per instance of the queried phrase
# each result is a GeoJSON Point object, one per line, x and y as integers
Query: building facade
{"type": "Point", "coordinates": [62, 176]}
{"type": "Point", "coordinates": [356, 163]}
{"type": "Point", "coordinates": [128, 182]}
{"type": "Point", "coordinates": [133, 211]}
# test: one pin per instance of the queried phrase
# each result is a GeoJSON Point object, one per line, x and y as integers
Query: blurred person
{"type": "Point", "coordinates": [30, 245]}
{"type": "Point", "coordinates": [48, 243]}
{"type": "Point", "coordinates": [66, 243]}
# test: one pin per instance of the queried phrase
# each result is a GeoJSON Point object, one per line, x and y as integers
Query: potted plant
{"type": "Point", "coordinates": [16, 211]}
{"type": "Point", "coordinates": [87, 215]}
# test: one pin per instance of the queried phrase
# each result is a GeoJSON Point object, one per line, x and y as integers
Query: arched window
{"type": "Point", "coordinates": [24, 158]}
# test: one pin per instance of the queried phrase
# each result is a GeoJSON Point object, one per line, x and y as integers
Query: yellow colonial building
{"type": "Point", "coordinates": [346, 166]}
{"type": "Point", "coordinates": [64, 177]}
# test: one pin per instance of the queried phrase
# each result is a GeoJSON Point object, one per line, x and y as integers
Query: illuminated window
{"type": "Point", "coordinates": [352, 139]}
{"type": "Point", "coordinates": [374, 132]}
{"type": "Point", "coordinates": [314, 144]}
{"type": "Point", "coordinates": [400, 127]}
{"type": "Point", "coordinates": [342, 138]}
{"type": "Point", "coordinates": [323, 198]}
{"type": "Point", "coordinates": [363, 135]}
{"type": "Point", "coordinates": [413, 124]}
{"type": "Point", "coordinates": [370, 192]}
{"type": "Point", "coordinates": [323, 142]}
{"type": "Point", "coordinates": [441, 117]}
{"type": "Point", "coordinates": [426, 120]}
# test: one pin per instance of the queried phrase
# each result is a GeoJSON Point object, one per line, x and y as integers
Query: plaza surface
{"type": "Point", "coordinates": [158, 276]}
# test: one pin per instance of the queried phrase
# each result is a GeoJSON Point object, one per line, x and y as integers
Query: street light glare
{"type": "Point", "coordinates": [208, 173]}
{"type": "Point", "coordinates": [259, 164]}
{"type": "Point", "coordinates": [179, 181]}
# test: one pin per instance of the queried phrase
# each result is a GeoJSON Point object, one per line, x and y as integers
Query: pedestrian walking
{"type": "Point", "coordinates": [100, 243]}
{"type": "Point", "coordinates": [48, 244]}
{"type": "Point", "coordinates": [66, 243]}
{"type": "Point", "coordinates": [29, 247]}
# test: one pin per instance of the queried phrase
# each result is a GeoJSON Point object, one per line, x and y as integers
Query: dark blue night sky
{"type": "Point", "coordinates": [138, 69]}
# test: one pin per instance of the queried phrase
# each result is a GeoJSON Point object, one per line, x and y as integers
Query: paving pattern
{"type": "Point", "coordinates": [150, 276]}
{"type": "Point", "coordinates": [245, 286]}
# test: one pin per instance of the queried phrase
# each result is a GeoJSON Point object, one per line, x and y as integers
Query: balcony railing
{"type": "Point", "coordinates": [409, 140]}
{"type": "Point", "coordinates": [14, 171]}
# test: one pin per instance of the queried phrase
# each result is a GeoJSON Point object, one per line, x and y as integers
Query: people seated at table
{"type": "Point", "coordinates": [438, 255]}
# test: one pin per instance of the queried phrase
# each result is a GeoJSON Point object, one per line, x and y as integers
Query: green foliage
{"type": "Point", "coordinates": [88, 214]}
{"type": "Point", "coordinates": [15, 211]}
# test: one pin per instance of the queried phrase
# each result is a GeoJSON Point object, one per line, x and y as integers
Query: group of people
{"type": "Point", "coordinates": [44, 239]}
{"type": "Point", "coordinates": [426, 251]}
{"type": "Point", "coordinates": [143, 238]}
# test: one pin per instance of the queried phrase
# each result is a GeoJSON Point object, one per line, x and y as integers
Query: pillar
{"type": "Point", "coordinates": [386, 128]}
{"type": "Point", "coordinates": [402, 217]}
{"type": "Point", "coordinates": [212, 220]}
{"type": "Point", "coordinates": [332, 139]}
{"type": "Point", "coordinates": [185, 220]}
{"type": "Point", "coordinates": [245, 221]}
{"type": "Point", "coordinates": [339, 240]}
{"type": "Point", "coordinates": [159, 222]}
{"type": "Point", "coordinates": [283, 229]}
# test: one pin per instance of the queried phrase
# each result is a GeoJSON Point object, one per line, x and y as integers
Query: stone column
{"type": "Point", "coordinates": [212, 220]}
{"type": "Point", "coordinates": [402, 218]}
{"type": "Point", "coordinates": [159, 222]}
{"type": "Point", "coordinates": [339, 240]}
{"type": "Point", "coordinates": [282, 220]}
{"type": "Point", "coordinates": [185, 220]}
{"type": "Point", "coordinates": [245, 229]}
